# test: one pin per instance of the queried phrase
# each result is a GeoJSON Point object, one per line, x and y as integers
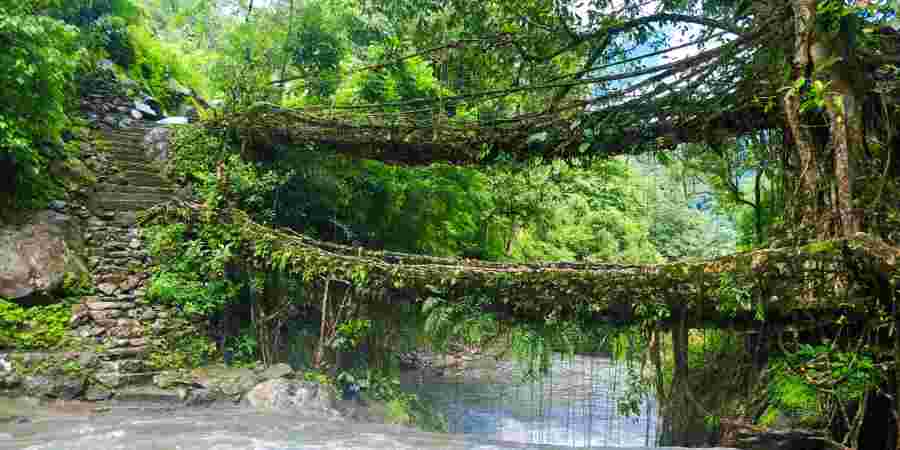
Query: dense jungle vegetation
{"type": "Point", "coordinates": [777, 126]}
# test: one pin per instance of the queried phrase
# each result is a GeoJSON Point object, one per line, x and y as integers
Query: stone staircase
{"type": "Point", "coordinates": [116, 317]}
{"type": "Point", "coordinates": [134, 182]}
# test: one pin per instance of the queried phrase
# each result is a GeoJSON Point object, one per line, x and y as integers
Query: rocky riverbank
{"type": "Point", "coordinates": [276, 389]}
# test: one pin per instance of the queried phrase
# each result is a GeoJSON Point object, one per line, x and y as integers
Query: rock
{"type": "Point", "coordinates": [6, 366]}
{"type": "Point", "coordinates": [64, 388]}
{"type": "Point", "coordinates": [105, 64]}
{"type": "Point", "coordinates": [782, 440]}
{"type": "Point", "coordinates": [280, 370]}
{"type": "Point", "coordinates": [118, 373]}
{"type": "Point", "coordinates": [147, 394]}
{"type": "Point", "coordinates": [304, 397]}
{"type": "Point", "coordinates": [145, 109]}
{"type": "Point", "coordinates": [136, 115]}
{"type": "Point", "coordinates": [166, 380]}
{"type": "Point", "coordinates": [57, 205]}
{"type": "Point", "coordinates": [97, 305]}
{"type": "Point", "coordinates": [233, 382]}
{"type": "Point", "coordinates": [130, 284]}
{"type": "Point", "coordinates": [79, 317]}
{"type": "Point", "coordinates": [107, 288]}
{"type": "Point", "coordinates": [15, 420]}
{"type": "Point", "coordinates": [98, 393]}
{"type": "Point", "coordinates": [196, 397]}
{"type": "Point", "coordinates": [135, 244]}
{"type": "Point", "coordinates": [36, 257]}
{"type": "Point", "coordinates": [87, 359]}
{"type": "Point", "coordinates": [102, 315]}
{"type": "Point", "coordinates": [176, 120]}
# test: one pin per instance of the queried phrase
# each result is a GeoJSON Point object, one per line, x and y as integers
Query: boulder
{"type": "Point", "coordinates": [156, 144]}
{"type": "Point", "coordinates": [38, 256]}
{"type": "Point", "coordinates": [64, 388]}
{"type": "Point", "coordinates": [232, 382]}
{"type": "Point", "coordinates": [73, 173]}
{"type": "Point", "coordinates": [8, 377]}
{"type": "Point", "coordinates": [304, 397]}
{"type": "Point", "coordinates": [196, 397]}
{"type": "Point", "coordinates": [145, 109]}
{"type": "Point", "coordinates": [280, 370]}
{"type": "Point", "coordinates": [176, 120]}
{"type": "Point", "coordinates": [98, 393]}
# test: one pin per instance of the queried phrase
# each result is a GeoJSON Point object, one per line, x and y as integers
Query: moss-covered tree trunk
{"type": "Point", "coordinates": [827, 57]}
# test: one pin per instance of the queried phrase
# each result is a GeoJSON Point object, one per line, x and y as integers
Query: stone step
{"type": "Point", "coordinates": [129, 157]}
{"type": "Point", "coordinates": [126, 205]}
{"type": "Point", "coordinates": [143, 178]}
{"type": "Point", "coordinates": [134, 165]}
{"type": "Point", "coordinates": [129, 196]}
{"type": "Point", "coordinates": [142, 182]}
{"type": "Point", "coordinates": [128, 132]}
{"type": "Point", "coordinates": [120, 141]}
{"type": "Point", "coordinates": [109, 187]}
{"type": "Point", "coordinates": [119, 149]}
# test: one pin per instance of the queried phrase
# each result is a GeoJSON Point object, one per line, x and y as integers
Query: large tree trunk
{"type": "Point", "coordinates": [828, 57]}
{"type": "Point", "coordinates": [804, 31]}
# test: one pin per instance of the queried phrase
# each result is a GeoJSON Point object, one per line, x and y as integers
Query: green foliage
{"type": "Point", "coordinates": [110, 33]}
{"type": "Point", "coordinates": [158, 65]}
{"type": "Point", "coordinates": [244, 347]}
{"type": "Point", "coordinates": [38, 58]}
{"type": "Point", "coordinates": [245, 71]}
{"type": "Point", "coordinates": [815, 379]}
{"type": "Point", "coordinates": [732, 298]}
{"type": "Point", "coordinates": [33, 328]}
{"type": "Point", "coordinates": [192, 275]}
{"type": "Point", "coordinates": [350, 333]}
{"type": "Point", "coordinates": [181, 350]}
{"type": "Point", "coordinates": [401, 408]}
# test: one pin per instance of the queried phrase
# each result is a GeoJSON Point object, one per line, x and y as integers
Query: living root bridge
{"type": "Point", "coordinates": [817, 281]}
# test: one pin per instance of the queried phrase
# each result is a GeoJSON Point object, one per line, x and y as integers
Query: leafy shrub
{"type": "Point", "coordinates": [34, 328]}
{"type": "Point", "coordinates": [38, 58]}
{"type": "Point", "coordinates": [111, 34]}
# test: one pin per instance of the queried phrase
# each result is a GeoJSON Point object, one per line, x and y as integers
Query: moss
{"type": "Point", "coordinates": [34, 328]}
{"type": "Point", "coordinates": [821, 247]}
{"type": "Point", "coordinates": [76, 284]}
{"type": "Point", "coordinates": [397, 412]}
{"type": "Point", "coordinates": [50, 365]}
{"type": "Point", "coordinates": [769, 417]}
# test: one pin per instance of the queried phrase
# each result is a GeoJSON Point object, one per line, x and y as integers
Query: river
{"type": "Point", "coordinates": [486, 407]}
{"type": "Point", "coordinates": [574, 405]}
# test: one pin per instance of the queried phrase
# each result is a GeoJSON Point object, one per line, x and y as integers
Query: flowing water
{"type": "Point", "coordinates": [575, 405]}
{"type": "Point", "coordinates": [487, 408]}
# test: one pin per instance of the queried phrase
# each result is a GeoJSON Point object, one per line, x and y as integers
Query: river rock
{"type": "Point", "coordinates": [303, 397]}
{"type": "Point", "coordinates": [145, 109]}
{"type": "Point", "coordinates": [279, 370]}
{"type": "Point", "coordinates": [177, 120]}
{"type": "Point", "coordinates": [64, 388]}
{"type": "Point", "coordinates": [98, 393]}
{"type": "Point", "coordinates": [232, 382]}
{"type": "Point", "coordinates": [196, 397]}
{"type": "Point", "coordinates": [37, 255]}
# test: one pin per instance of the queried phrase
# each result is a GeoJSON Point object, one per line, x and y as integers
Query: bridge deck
{"type": "Point", "coordinates": [782, 284]}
